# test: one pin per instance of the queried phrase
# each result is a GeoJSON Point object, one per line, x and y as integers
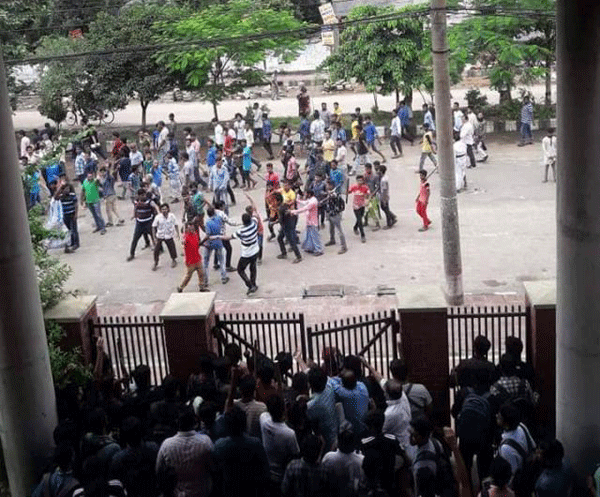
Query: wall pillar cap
{"type": "Point", "coordinates": [71, 309]}
{"type": "Point", "coordinates": [421, 298]}
{"type": "Point", "coordinates": [541, 294]}
{"type": "Point", "coordinates": [188, 306]}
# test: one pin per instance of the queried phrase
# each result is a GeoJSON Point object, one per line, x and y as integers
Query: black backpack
{"type": "Point", "coordinates": [445, 483]}
{"type": "Point", "coordinates": [473, 420]}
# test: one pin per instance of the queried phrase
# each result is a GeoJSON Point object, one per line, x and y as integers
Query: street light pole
{"type": "Point", "coordinates": [27, 401]}
{"type": "Point", "coordinates": [443, 121]}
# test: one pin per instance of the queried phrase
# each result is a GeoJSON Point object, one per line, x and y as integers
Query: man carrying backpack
{"type": "Point", "coordinates": [516, 443]}
{"type": "Point", "coordinates": [473, 415]}
{"type": "Point", "coordinates": [430, 458]}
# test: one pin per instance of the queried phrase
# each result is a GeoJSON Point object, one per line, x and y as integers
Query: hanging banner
{"type": "Point", "coordinates": [327, 14]}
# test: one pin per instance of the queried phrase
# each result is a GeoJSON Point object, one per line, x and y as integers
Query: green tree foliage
{"type": "Point", "coordinates": [383, 55]}
{"type": "Point", "coordinates": [216, 72]}
{"type": "Point", "coordinates": [512, 40]}
{"type": "Point", "coordinates": [106, 81]}
{"type": "Point", "coordinates": [66, 364]}
{"type": "Point", "coordinates": [51, 273]}
{"type": "Point", "coordinates": [132, 74]}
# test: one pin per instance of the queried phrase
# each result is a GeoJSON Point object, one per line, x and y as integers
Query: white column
{"type": "Point", "coordinates": [578, 232]}
{"type": "Point", "coordinates": [27, 402]}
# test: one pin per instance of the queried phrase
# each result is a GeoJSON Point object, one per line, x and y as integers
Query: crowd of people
{"type": "Point", "coordinates": [249, 425]}
{"type": "Point", "coordinates": [154, 171]}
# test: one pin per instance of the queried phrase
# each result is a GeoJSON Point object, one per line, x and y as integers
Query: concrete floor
{"type": "Point", "coordinates": [508, 233]}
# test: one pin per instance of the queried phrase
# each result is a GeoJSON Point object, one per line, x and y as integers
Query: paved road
{"type": "Point", "coordinates": [190, 112]}
{"type": "Point", "coordinates": [508, 234]}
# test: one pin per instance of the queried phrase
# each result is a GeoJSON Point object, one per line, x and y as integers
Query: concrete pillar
{"type": "Point", "coordinates": [189, 319]}
{"type": "Point", "coordinates": [423, 315]}
{"type": "Point", "coordinates": [540, 297]}
{"type": "Point", "coordinates": [27, 400]}
{"type": "Point", "coordinates": [578, 232]}
{"type": "Point", "coordinates": [73, 315]}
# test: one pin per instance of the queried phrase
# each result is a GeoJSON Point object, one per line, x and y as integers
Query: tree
{"type": "Point", "coordinates": [101, 81]}
{"type": "Point", "coordinates": [125, 75]}
{"type": "Point", "coordinates": [218, 71]}
{"type": "Point", "coordinates": [382, 55]}
{"type": "Point", "coordinates": [515, 40]}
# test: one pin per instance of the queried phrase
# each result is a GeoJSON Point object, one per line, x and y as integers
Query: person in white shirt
{"type": "Point", "coordinates": [472, 117]}
{"type": "Point", "coordinates": [279, 440]}
{"type": "Point", "coordinates": [397, 413]}
{"type": "Point", "coordinates": [396, 133]}
{"type": "Point", "coordinates": [460, 164]}
{"type": "Point", "coordinates": [135, 156]}
{"type": "Point", "coordinates": [317, 129]}
{"type": "Point", "coordinates": [345, 466]}
{"type": "Point", "coordinates": [231, 131]}
{"type": "Point", "coordinates": [248, 135]}
{"type": "Point", "coordinates": [191, 151]}
{"type": "Point", "coordinates": [239, 127]}
{"type": "Point", "coordinates": [219, 138]}
{"type": "Point", "coordinates": [165, 228]}
{"type": "Point", "coordinates": [549, 151]}
{"type": "Point", "coordinates": [258, 121]}
{"type": "Point", "coordinates": [163, 141]}
{"type": "Point", "coordinates": [25, 142]}
{"type": "Point", "coordinates": [340, 155]}
{"type": "Point", "coordinates": [458, 118]}
{"type": "Point", "coordinates": [467, 136]}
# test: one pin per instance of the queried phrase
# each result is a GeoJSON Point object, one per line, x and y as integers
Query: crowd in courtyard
{"type": "Point", "coordinates": [251, 426]}
{"type": "Point", "coordinates": [343, 164]}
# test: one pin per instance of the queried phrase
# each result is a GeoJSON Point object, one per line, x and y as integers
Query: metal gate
{"type": "Point", "coordinates": [133, 341]}
{"type": "Point", "coordinates": [374, 337]}
{"type": "Point", "coordinates": [495, 323]}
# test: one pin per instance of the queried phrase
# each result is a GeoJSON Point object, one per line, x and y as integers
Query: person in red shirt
{"type": "Point", "coordinates": [193, 259]}
{"type": "Point", "coordinates": [422, 200]}
{"type": "Point", "coordinates": [361, 196]}
{"type": "Point", "coordinates": [116, 150]}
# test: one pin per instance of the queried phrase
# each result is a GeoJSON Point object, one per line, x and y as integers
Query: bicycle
{"type": "Point", "coordinates": [76, 116]}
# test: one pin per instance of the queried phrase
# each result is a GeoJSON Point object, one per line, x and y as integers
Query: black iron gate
{"type": "Point", "coordinates": [132, 341]}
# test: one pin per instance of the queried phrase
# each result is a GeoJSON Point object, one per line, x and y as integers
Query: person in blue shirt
{"type": "Point", "coordinates": [404, 115]}
{"type": "Point", "coordinates": [371, 135]}
{"type": "Point", "coordinates": [212, 227]}
{"type": "Point", "coordinates": [156, 173]}
{"type": "Point", "coordinates": [304, 131]}
{"type": "Point", "coordinates": [211, 154]}
{"type": "Point", "coordinates": [267, 134]}
{"type": "Point", "coordinates": [247, 166]}
{"type": "Point", "coordinates": [336, 176]}
{"type": "Point", "coordinates": [354, 396]}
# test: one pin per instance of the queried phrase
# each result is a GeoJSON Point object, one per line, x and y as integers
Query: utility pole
{"type": "Point", "coordinates": [443, 122]}
{"type": "Point", "coordinates": [27, 401]}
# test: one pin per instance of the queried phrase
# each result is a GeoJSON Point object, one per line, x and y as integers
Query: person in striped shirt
{"type": "Point", "coordinates": [248, 237]}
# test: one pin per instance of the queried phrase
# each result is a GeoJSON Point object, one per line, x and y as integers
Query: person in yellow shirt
{"type": "Point", "coordinates": [337, 112]}
{"type": "Point", "coordinates": [328, 148]}
{"type": "Point", "coordinates": [428, 148]}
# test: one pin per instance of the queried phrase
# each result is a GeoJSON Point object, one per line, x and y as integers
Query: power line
{"type": "Point", "coordinates": [491, 12]}
{"type": "Point", "coordinates": [304, 31]}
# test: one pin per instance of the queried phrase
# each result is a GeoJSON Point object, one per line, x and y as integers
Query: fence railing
{"type": "Point", "coordinates": [132, 341]}
{"type": "Point", "coordinates": [373, 336]}
{"type": "Point", "coordinates": [268, 333]}
{"type": "Point", "coordinates": [495, 323]}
